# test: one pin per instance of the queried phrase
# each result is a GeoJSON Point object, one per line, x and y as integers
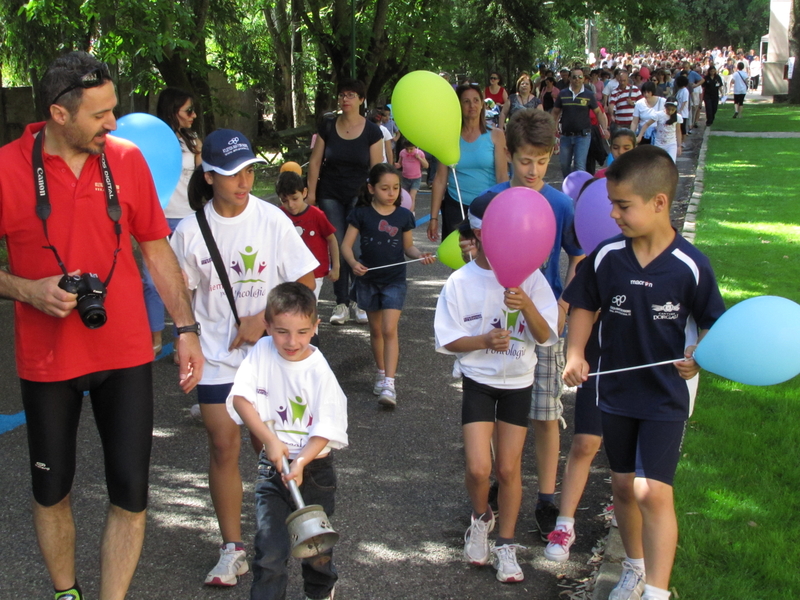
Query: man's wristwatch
{"type": "Point", "coordinates": [194, 328]}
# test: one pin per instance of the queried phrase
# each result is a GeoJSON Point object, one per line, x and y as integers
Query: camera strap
{"type": "Point", "coordinates": [217, 260]}
{"type": "Point", "coordinates": [43, 208]}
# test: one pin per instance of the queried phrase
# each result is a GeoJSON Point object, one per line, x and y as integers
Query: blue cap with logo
{"type": "Point", "coordinates": [227, 152]}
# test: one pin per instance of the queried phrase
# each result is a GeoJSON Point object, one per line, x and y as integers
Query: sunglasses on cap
{"type": "Point", "coordinates": [94, 78]}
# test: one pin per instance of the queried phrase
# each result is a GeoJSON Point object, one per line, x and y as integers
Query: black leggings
{"type": "Point", "coordinates": [122, 402]}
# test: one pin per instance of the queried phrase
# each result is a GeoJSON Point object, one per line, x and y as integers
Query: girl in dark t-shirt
{"type": "Point", "coordinates": [386, 230]}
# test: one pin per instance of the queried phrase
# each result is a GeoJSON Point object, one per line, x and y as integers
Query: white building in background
{"type": "Point", "coordinates": [778, 49]}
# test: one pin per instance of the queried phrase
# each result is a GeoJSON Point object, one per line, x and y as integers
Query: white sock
{"type": "Point", "coordinates": [567, 522]}
{"type": "Point", "coordinates": [388, 382]}
{"type": "Point", "coordinates": [381, 372]}
{"type": "Point", "coordinates": [654, 593]}
{"type": "Point", "coordinates": [636, 562]}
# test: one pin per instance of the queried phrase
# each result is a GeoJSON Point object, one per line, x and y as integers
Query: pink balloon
{"type": "Point", "coordinates": [518, 233]}
{"type": "Point", "coordinates": [405, 199]}
{"type": "Point", "coordinates": [574, 182]}
{"type": "Point", "coordinates": [593, 222]}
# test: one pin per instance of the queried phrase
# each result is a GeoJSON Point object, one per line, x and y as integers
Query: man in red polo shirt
{"type": "Point", "coordinates": [70, 199]}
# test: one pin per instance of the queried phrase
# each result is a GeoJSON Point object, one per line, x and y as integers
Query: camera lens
{"type": "Point", "coordinates": [92, 311]}
{"type": "Point", "coordinates": [94, 317]}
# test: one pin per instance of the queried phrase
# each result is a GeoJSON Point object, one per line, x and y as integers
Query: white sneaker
{"type": "Point", "coordinates": [361, 315]}
{"type": "Point", "coordinates": [476, 542]}
{"type": "Point", "coordinates": [558, 544]}
{"type": "Point", "coordinates": [195, 412]}
{"type": "Point", "coordinates": [388, 397]}
{"type": "Point", "coordinates": [631, 584]}
{"type": "Point", "coordinates": [505, 561]}
{"type": "Point", "coordinates": [377, 387]}
{"type": "Point", "coordinates": [340, 315]}
{"type": "Point", "coordinates": [232, 562]}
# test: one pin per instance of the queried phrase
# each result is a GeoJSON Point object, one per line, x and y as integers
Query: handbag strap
{"type": "Point", "coordinates": [217, 260]}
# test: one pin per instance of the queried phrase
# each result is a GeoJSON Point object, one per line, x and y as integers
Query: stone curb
{"type": "Point", "coordinates": [611, 569]}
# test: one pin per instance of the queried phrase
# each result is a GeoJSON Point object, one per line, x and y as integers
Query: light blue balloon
{"type": "Point", "coordinates": [756, 342]}
{"type": "Point", "coordinates": [160, 148]}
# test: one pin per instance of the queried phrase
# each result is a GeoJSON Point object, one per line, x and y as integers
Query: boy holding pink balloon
{"type": "Point", "coordinates": [657, 296]}
{"type": "Point", "coordinates": [530, 139]}
{"type": "Point", "coordinates": [491, 319]}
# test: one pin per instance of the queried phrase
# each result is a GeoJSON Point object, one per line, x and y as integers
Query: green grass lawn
{"type": "Point", "coordinates": [738, 483]}
{"type": "Point", "coordinates": [759, 117]}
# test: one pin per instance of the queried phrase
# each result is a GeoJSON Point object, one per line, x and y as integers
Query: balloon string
{"type": "Point", "coordinates": [505, 326]}
{"type": "Point", "coordinates": [402, 262]}
{"type": "Point", "coordinates": [655, 364]}
{"type": "Point", "coordinates": [458, 191]}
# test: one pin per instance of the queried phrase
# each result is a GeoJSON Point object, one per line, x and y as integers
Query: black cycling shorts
{"type": "Point", "coordinates": [122, 402]}
{"type": "Point", "coordinates": [482, 402]}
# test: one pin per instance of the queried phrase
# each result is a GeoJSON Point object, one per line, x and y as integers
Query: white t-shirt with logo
{"type": "Point", "coordinates": [302, 397]}
{"type": "Point", "coordinates": [470, 304]}
{"type": "Point", "coordinates": [261, 249]}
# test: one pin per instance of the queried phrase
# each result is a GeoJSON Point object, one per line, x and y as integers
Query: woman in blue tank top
{"type": "Point", "coordinates": [482, 165]}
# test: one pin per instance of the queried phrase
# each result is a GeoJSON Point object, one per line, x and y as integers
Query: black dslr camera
{"type": "Point", "coordinates": [91, 293]}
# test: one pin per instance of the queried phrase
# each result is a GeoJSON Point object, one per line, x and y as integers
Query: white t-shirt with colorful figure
{"type": "Point", "coordinates": [261, 248]}
{"type": "Point", "coordinates": [302, 397]}
{"type": "Point", "coordinates": [470, 304]}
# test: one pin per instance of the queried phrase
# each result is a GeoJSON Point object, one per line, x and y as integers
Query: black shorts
{"type": "Point", "coordinates": [485, 403]}
{"type": "Point", "coordinates": [650, 449]}
{"type": "Point", "coordinates": [739, 99]}
{"type": "Point", "coordinates": [587, 414]}
{"type": "Point", "coordinates": [122, 402]}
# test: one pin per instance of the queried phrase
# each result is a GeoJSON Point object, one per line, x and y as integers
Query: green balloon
{"type": "Point", "coordinates": [434, 127]}
{"type": "Point", "coordinates": [449, 252]}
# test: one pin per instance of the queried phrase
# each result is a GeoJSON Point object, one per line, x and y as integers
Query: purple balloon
{"type": "Point", "coordinates": [405, 199]}
{"type": "Point", "coordinates": [574, 182]}
{"type": "Point", "coordinates": [593, 222]}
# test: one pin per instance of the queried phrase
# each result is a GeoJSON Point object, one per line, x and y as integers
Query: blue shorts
{"type": "Point", "coordinates": [650, 449]}
{"type": "Point", "coordinates": [371, 297]}
{"type": "Point", "coordinates": [587, 414]}
{"type": "Point", "coordinates": [215, 393]}
{"type": "Point", "coordinates": [411, 184]}
{"type": "Point", "coordinates": [481, 402]}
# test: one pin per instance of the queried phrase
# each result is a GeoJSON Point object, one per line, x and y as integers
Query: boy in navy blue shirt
{"type": "Point", "coordinates": [655, 293]}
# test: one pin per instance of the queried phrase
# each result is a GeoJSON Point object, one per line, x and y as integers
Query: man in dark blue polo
{"type": "Point", "coordinates": [572, 107]}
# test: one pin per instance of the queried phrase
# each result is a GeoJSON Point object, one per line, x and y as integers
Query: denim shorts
{"type": "Point", "coordinates": [411, 184]}
{"type": "Point", "coordinates": [371, 297]}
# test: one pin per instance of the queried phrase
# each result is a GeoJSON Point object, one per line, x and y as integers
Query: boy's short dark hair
{"type": "Point", "coordinates": [293, 298]}
{"type": "Point", "coordinates": [530, 127]}
{"type": "Point", "coordinates": [648, 169]}
{"type": "Point", "coordinates": [289, 183]}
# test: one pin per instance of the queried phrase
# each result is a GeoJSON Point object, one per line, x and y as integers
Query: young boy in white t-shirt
{"type": "Point", "coordinates": [286, 380]}
{"type": "Point", "coordinates": [492, 332]}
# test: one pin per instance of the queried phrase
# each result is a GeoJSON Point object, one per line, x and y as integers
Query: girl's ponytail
{"type": "Point", "coordinates": [199, 190]}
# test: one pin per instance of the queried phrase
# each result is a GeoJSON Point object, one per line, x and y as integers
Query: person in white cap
{"type": "Point", "coordinates": [258, 249]}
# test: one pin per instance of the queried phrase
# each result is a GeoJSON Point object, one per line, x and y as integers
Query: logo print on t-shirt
{"type": "Point", "coordinates": [516, 325]}
{"type": "Point", "coordinates": [295, 412]}
{"type": "Point", "coordinates": [247, 266]}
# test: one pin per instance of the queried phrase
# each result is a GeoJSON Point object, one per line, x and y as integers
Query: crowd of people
{"type": "Point", "coordinates": [241, 277]}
